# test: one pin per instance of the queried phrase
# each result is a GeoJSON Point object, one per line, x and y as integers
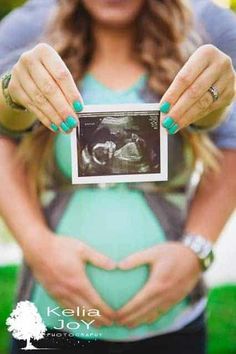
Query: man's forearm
{"type": "Point", "coordinates": [19, 208]}
{"type": "Point", "coordinates": [215, 199]}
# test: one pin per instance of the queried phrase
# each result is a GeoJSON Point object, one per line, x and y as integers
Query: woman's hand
{"type": "Point", "coordinates": [59, 265]}
{"type": "Point", "coordinates": [188, 100]}
{"type": "Point", "coordinates": [42, 83]}
{"type": "Point", "coordinates": [174, 271]}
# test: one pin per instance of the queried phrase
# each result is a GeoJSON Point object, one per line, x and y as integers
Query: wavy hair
{"type": "Point", "coordinates": [164, 41]}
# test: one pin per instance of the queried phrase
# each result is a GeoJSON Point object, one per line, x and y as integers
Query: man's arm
{"type": "Point", "coordinates": [23, 216]}
{"type": "Point", "coordinates": [215, 199]}
{"type": "Point", "coordinates": [218, 27]}
{"type": "Point", "coordinates": [21, 29]}
{"type": "Point", "coordinates": [218, 24]}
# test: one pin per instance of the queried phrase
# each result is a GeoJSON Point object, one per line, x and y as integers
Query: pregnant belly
{"type": "Point", "coordinates": [116, 223]}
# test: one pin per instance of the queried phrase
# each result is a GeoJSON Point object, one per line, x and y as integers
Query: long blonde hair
{"type": "Point", "coordinates": [162, 45]}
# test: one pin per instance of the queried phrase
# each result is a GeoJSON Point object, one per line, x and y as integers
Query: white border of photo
{"type": "Point", "coordinates": [152, 177]}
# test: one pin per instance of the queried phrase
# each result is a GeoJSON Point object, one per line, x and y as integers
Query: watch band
{"type": "Point", "coordinates": [201, 247]}
{"type": "Point", "coordinates": [5, 79]}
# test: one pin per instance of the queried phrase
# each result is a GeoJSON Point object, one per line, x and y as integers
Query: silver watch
{"type": "Point", "coordinates": [201, 247]}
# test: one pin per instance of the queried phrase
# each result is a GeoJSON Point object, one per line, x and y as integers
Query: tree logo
{"type": "Point", "coordinates": [25, 323]}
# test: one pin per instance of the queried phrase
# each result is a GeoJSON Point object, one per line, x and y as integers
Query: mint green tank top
{"type": "Point", "coordinates": [115, 221]}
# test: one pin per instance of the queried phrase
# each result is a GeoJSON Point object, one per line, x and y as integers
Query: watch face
{"type": "Point", "coordinates": [202, 248]}
{"type": "Point", "coordinates": [197, 245]}
{"type": "Point", "coordinates": [206, 250]}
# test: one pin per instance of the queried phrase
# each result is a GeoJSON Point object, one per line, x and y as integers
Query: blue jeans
{"type": "Point", "coordinates": [190, 339]}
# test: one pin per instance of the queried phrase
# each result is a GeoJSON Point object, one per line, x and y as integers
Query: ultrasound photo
{"type": "Point", "coordinates": [119, 143]}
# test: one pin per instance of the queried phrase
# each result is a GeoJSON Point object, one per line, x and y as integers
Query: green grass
{"type": "Point", "coordinates": [222, 320]}
{"type": "Point", "coordinates": [8, 276]}
{"type": "Point", "coordinates": [221, 314]}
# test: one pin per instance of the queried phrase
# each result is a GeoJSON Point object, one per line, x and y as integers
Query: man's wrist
{"type": "Point", "coordinates": [201, 247]}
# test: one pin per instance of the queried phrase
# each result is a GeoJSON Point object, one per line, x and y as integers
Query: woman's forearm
{"type": "Point", "coordinates": [20, 210]}
{"type": "Point", "coordinates": [14, 120]}
{"type": "Point", "coordinates": [215, 199]}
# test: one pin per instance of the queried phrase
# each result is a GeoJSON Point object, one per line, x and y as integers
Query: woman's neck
{"type": "Point", "coordinates": [113, 44]}
{"type": "Point", "coordinates": [114, 62]}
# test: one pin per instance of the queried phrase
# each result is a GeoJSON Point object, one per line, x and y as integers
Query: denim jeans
{"type": "Point", "coordinates": [190, 339]}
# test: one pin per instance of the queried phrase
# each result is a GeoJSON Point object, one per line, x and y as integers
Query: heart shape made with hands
{"type": "Point", "coordinates": [117, 286]}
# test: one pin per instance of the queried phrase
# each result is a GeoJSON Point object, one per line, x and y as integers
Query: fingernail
{"type": "Point", "coordinates": [54, 127]}
{"type": "Point", "coordinates": [71, 122]}
{"type": "Point", "coordinates": [64, 127]}
{"type": "Point", "coordinates": [121, 265]}
{"type": "Point", "coordinates": [165, 107]}
{"type": "Point", "coordinates": [111, 265]}
{"type": "Point", "coordinates": [173, 129]}
{"type": "Point", "coordinates": [168, 122]}
{"type": "Point", "coordinates": [78, 106]}
{"type": "Point", "coordinates": [124, 266]}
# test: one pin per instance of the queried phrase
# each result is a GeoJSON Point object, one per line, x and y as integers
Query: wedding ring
{"type": "Point", "coordinates": [214, 93]}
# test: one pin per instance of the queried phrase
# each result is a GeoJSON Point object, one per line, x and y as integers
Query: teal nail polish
{"type": "Point", "coordinates": [71, 122]}
{"type": "Point", "coordinates": [173, 129]}
{"type": "Point", "coordinates": [168, 122]}
{"type": "Point", "coordinates": [64, 127]}
{"type": "Point", "coordinates": [54, 127]}
{"type": "Point", "coordinates": [165, 107]}
{"type": "Point", "coordinates": [78, 106]}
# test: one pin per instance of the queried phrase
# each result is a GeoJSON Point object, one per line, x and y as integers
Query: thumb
{"type": "Point", "coordinates": [135, 260]}
{"type": "Point", "coordinates": [100, 260]}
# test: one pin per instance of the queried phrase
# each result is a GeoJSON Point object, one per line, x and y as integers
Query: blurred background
{"type": "Point", "coordinates": [221, 278]}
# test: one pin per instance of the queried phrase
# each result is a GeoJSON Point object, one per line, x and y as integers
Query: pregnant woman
{"type": "Point", "coordinates": [133, 252]}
